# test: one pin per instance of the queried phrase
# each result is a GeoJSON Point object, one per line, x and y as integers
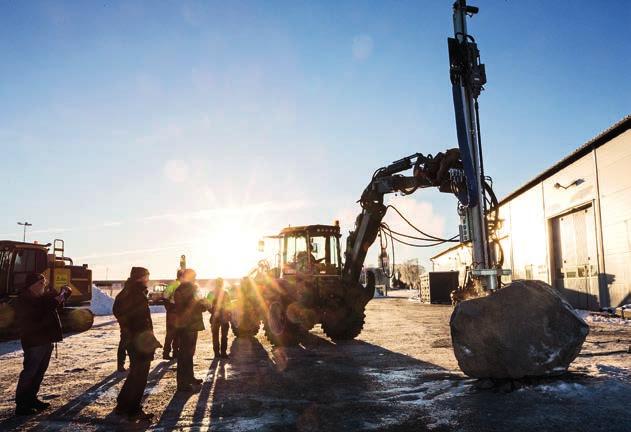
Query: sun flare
{"type": "Point", "coordinates": [228, 249]}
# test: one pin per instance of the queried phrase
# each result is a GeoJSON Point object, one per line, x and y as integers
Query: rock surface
{"type": "Point", "coordinates": [524, 329]}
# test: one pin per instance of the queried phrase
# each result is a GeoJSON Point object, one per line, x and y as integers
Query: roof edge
{"type": "Point", "coordinates": [605, 136]}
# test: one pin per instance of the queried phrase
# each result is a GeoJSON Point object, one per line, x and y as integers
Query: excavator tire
{"type": "Point", "coordinates": [244, 320]}
{"type": "Point", "coordinates": [279, 330]}
{"type": "Point", "coordinates": [343, 324]}
{"type": "Point", "coordinates": [76, 320]}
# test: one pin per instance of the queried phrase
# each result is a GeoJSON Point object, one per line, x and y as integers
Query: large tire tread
{"type": "Point", "coordinates": [345, 329]}
{"type": "Point", "coordinates": [291, 336]}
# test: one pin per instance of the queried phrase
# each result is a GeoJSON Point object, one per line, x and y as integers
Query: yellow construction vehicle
{"type": "Point", "coordinates": [17, 259]}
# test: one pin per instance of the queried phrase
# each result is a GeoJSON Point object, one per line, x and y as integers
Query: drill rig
{"type": "Point", "coordinates": [301, 290]}
{"type": "Point", "coordinates": [459, 171]}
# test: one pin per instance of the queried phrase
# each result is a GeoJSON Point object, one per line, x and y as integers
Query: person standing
{"type": "Point", "coordinates": [121, 352]}
{"type": "Point", "coordinates": [40, 327]}
{"type": "Point", "coordinates": [171, 341]}
{"type": "Point", "coordinates": [189, 309]}
{"type": "Point", "coordinates": [220, 319]}
{"type": "Point", "coordinates": [131, 309]}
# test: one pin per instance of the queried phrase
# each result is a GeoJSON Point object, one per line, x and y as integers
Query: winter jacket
{"type": "Point", "coordinates": [188, 308]}
{"type": "Point", "coordinates": [131, 309]}
{"type": "Point", "coordinates": [38, 319]}
{"type": "Point", "coordinates": [220, 309]}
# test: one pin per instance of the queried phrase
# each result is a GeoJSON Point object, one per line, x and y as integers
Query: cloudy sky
{"type": "Point", "coordinates": [139, 131]}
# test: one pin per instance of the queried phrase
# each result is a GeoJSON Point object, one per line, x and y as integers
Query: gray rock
{"type": "Point", "coordinates": [524, 329]}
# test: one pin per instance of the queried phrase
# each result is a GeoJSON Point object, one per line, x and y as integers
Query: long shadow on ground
{"type": "Point", "coordinates": [323, 386]}
{"type": "Point", "coordinates": [356, 385]}
{"type": "Point", "coordinates": [71, 411]}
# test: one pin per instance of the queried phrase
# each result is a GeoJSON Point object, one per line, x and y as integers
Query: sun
{"type": "Point", "coordinates": [228, 249]}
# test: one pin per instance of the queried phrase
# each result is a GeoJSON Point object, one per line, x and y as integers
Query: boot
{"type": "Point", "coordinates": [140, 415]}
{"type": "Point", "coordinates": [40, 405]}
{"type": "Point", "coordinates": [24, 410]}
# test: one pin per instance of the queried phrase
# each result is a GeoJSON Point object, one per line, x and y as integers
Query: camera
{"type": "Point", "coordinates": [65, 291]}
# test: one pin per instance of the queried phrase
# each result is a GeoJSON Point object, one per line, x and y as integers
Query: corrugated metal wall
{"type": "Point", "coordinates": [589, 199]}
{"type": "Point", "coordinates": [528, 236]}
{"type": "Point", "coordinates": [614, 178]}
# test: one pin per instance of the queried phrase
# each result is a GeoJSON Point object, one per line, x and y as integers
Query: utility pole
{"type": "Point", "coordinates": [24, 224]}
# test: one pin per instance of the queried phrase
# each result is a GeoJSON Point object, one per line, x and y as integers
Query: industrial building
{"type": "Point", "coordinates": [571, 225]}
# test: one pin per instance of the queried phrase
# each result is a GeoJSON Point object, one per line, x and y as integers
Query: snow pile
{"type": "Point", "coordinates": [157, 309]}
{"type": "Point", "coordinates": [101, 303]}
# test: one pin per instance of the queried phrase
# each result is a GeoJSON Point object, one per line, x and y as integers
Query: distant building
{"type": "Point", "coordinates": [571, 225]}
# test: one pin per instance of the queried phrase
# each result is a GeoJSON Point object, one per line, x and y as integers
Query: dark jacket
{"type": "Point", "coordinates": [188, 308]}
{"type": "Point", "coordinates": [131, 309]}
{"type": "Point", "coordinates": [220, 309]}
{"type": "Point", "coordinates": [38, 319]}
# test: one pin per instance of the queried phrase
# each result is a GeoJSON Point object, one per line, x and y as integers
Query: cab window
{"type": "Point", "coordinates": [296, 255]}
{"type": "Point", "coordinates": [26, 261]}
{"type": "Point", "coordinates": [324, 251]}
{"type": "Point", "coordinates": [5, 264]}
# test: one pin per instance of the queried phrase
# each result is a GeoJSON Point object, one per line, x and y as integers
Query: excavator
{"type": "Point", "coordinates": [19, 258]}
{"type": "Point", "coordinates": [309, 285]}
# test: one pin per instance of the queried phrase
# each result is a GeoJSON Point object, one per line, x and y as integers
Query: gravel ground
{"type": "Point", "coordinates": [399, 375]}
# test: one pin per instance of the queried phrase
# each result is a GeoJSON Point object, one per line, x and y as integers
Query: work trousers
{"type": "Point", "coordinates": [130, 396]}
{"type": "Point", "coordinates": [186, 351]}
{"type": "Point", "coordinates": [36, 360]}
{"type": "Point", "coordinates": [171, 340]}
{"type": "Point", "coordinates": [217, 346]}
{"type": "Point", "coordinates": [122, 351]}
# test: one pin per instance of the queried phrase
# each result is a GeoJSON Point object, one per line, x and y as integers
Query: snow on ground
{"type": "Point", "coordinates": [399, 375]}
{"type": "Point", "coordinates": [590, 318]}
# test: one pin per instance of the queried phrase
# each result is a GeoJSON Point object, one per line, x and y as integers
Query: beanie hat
{"type": "Point", "coordinates": [32, 278]}
{"type": "Point", "coordinates": [138, 272]}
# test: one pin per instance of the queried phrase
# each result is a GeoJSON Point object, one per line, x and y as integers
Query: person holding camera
{"type": "Point", "coordinates": [131, 309]}
{"type": "Point", "coordinates": [40, 327]}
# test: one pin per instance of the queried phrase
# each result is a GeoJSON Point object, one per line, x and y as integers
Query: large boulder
{"type": "Point", "coordinates": [523, 329]}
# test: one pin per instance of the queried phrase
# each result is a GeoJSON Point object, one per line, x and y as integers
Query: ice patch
{"type": "Point", "coordinates": [405, 387]}
{"type": "Point", "coordinates": [560, 387]}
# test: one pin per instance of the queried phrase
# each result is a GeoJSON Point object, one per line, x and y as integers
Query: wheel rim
{"type": "Point", "coordinates": [277, 318]}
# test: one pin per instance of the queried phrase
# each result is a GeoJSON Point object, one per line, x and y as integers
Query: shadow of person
{"type": "Point", "coordinates": [68, 411]}
{"type": "Point", "coordinates": [250, 365]}
{"type": "Point", "coordinates": [205, 393]}
{"type": "Point", "coordinates": [321, 385]}
{"type": "Point", "coordinates": [171, 414]}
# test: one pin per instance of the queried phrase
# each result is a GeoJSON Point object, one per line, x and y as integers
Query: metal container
{"type": "Point", "coordinates": [436, 287]}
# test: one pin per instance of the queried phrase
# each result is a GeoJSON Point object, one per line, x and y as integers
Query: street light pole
{"type": "Point", "coordinates": [24, 224]}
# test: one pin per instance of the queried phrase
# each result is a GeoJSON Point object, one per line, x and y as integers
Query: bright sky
{"type": "Point", "coordinates": [139, 131]}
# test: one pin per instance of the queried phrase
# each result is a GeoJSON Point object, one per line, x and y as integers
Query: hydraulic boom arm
{"type": "Point", "coordinates": [443, 171]}
{"type": "Point", "coordinates": [459, 171]}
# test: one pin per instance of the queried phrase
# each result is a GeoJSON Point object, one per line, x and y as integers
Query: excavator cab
{"type": "Point", "coordinates": [310, 250]}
